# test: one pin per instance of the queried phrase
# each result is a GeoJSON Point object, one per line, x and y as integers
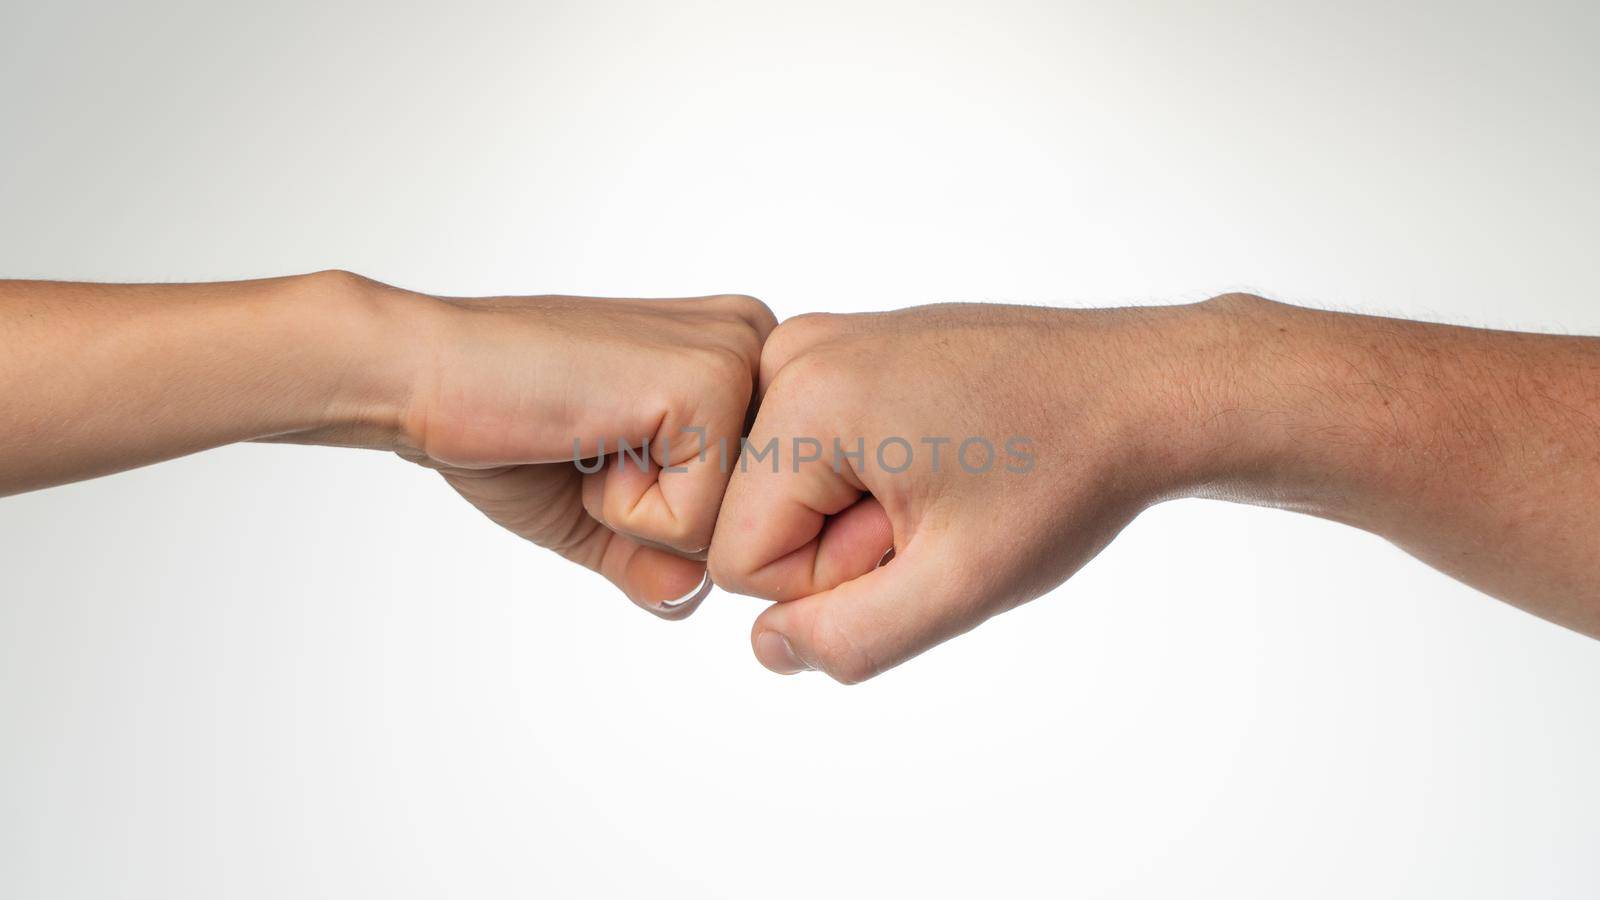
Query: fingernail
{"type": "Point", "coordinates": [886, 557]}
{"type": "Point", "coordinates": [694, 596]}
{"type": "Point", "coordinates": [775, 653]}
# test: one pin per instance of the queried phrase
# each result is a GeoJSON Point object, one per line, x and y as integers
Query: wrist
{"type": "Point", "coordinates": [1167, 377]}
{"type": "Point", "coordinates": [370, 343]}
{"type": "Point", "coordinates": [1288, 410]}
{"type": "Point", "coordinates": [1232, 424]}
{"type": "Point", "coordinates": [1196, 419]}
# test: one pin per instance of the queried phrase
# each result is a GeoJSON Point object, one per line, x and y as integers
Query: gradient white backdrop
{"type": "Point", "coordinates": [270, 672]}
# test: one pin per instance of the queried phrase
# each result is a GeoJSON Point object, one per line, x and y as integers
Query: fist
{"type": "Point", "coordinates": [579, 424]}
{"type": "Point", "coordinates": [935, 466]}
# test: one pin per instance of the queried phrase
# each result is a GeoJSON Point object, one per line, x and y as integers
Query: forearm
{"type": "Point", "coordinates": [1477, 451]}
{"type": "Point", "coordinates": [100, 378]}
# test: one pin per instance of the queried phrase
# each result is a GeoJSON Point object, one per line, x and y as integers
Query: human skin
{"type": "Point", "coordinates": [1476, 451]}
{"type": "Point", "coordinates": [491, 392]}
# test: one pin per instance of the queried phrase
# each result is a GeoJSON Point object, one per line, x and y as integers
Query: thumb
{"type": "Point", "coordinates": [873, 622]}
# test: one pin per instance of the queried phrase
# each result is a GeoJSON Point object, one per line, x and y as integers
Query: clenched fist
{"type": "Point", "coordinates": [996, 449]}
{"type": "Point", "coordinates": [993, 449]}
{"type": "Point", "coordinates": [516, 391]}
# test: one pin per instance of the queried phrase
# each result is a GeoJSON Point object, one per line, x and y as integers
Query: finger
{"type": "Point", "coordinates": [851, 544]}
{"type": "Point", "coordinates": [670, 493]}
{"type": "Point", "coordinates": [789, 533]}
{"type": "Point", "coordinates": [870, 624]}
{"type": "Point", "coordinates": [794, 521]}
{"type": "Point", "coordinates": [657, 581]}
{"type": "Point", "coordinates": [541, 504]}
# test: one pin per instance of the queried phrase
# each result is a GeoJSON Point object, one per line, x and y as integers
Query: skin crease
{"type": "Point", "coordinates": [490, 392]}
{"type": "Point", "coordinates": [1477, 451]}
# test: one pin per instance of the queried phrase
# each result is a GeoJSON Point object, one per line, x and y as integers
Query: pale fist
{"type": "Point", "coordinates": [519, 389]}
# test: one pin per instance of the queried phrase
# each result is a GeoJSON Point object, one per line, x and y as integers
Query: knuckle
{"type": "Point", "coordinates": [709, 377]}
{"type": "Point", "coordinates": [594, 504]}
{"type": "Point", "coordinates": [724, 381]}
{"type": "Point", "coordinates": [686, 535]}
{"type": "Point", "coordinates": [837, 651]}
{"type": "Point", "coordinates": [806, 326]}
{"type": "Point", "coordinates": [793, 336]}
{"type": "Point", "coordinates": [724, 365]}
{"type": "Point", "coordinates": [752, 314]}
{"type": "Point", "coordinates": [614, 511]}
{"type": "Point", "coordinates": [816, 377]}
{"type": "Point", "coordinates": [726, 573]}
{"type": "Point", "coordinates": [747, 304]}
{"type": "Point", "coordinates": [653, 525]}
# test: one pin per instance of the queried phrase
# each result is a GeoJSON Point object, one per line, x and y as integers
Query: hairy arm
{"type": "Point", "coordinates": [1477, 451]}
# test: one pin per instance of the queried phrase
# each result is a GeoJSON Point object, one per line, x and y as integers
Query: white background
{"type": "Point", "coordinates": [286, 672]}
